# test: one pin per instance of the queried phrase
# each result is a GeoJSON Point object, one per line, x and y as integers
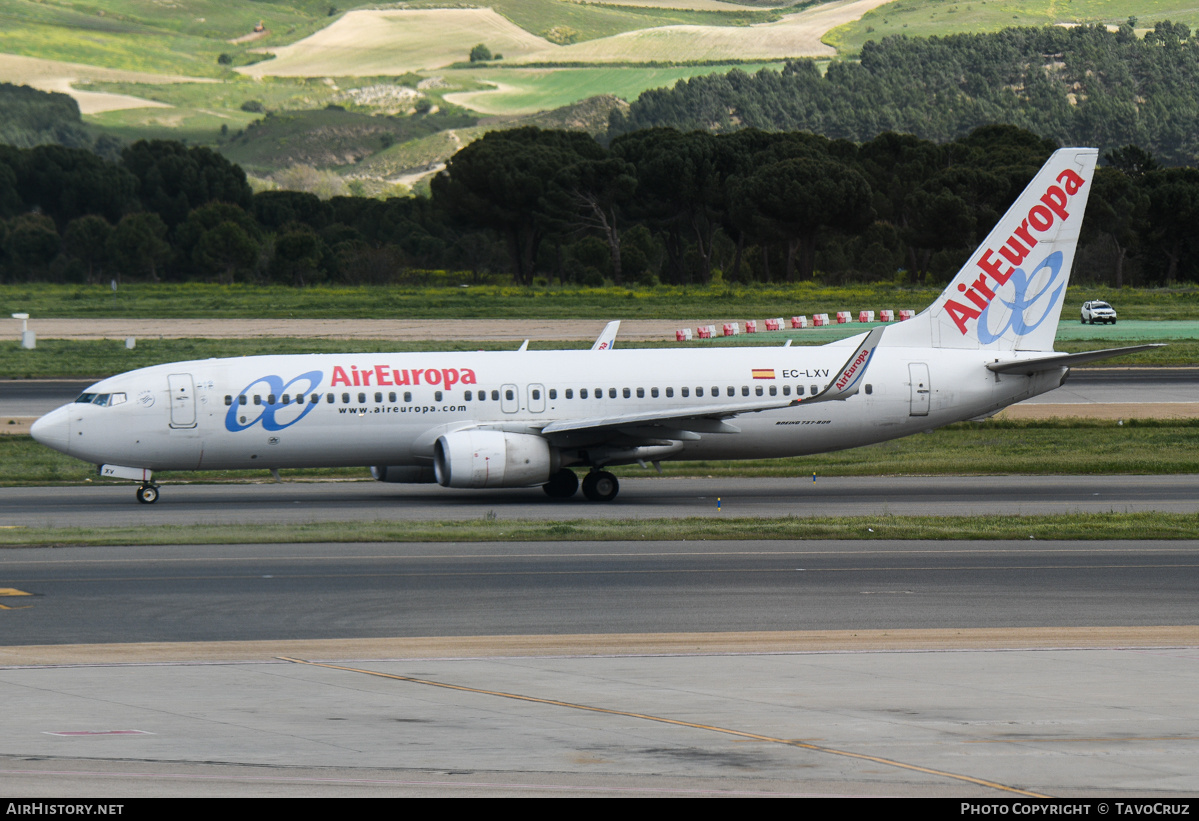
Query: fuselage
{"type": "Point", "coordinates": [390, 409]}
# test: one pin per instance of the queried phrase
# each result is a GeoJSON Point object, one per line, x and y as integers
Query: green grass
{"type": "Point", "coordinates": [142, 35]}
{"type": "Point", "coordinates": [439, 296]}
{"type": "Point", "coordinates": [1064, 447]}
{"type": "Point", "coordinates": [923, 18]}
{"type": "Point", "coordinates": [1081, 527]}
{"type": "Point", "coordinates": [541, 89]}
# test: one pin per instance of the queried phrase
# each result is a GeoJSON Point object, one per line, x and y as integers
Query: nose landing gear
{"type": "Point", "coordinates": [147, 494]}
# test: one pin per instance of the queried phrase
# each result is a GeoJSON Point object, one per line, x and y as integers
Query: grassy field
{"type": "Point", "coordinates": [923, 18]}
{"type": "Point", "coordinates": [1082, 527]}
{"type": "Point", "coordinates": [522, 91]}
{"type": "Point", "coordinates": [440, 295]}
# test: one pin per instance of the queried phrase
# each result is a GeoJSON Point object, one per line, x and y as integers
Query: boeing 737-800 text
{"type": "Point", "coordinates": [526, 418]}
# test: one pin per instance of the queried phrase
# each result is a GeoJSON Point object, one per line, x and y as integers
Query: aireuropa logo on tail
{"type": "Point", "coordinates": [998, 269]}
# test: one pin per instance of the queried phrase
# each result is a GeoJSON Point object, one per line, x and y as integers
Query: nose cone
{"type": "Point", "coordinates": [54, 429]}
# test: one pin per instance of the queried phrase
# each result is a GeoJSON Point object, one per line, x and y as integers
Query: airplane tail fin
{"type": "Point", "coordinates": [1009, 295]}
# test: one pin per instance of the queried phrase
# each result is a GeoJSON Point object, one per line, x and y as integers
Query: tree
{"type": "Point", "coordinates": [86, 239]}
{"type": "Point", "coordinates": [480, 54]}
{"type": "Point", "coordinates": [503, 182]}
{"type": "Point", "coordinates": [138, 244]}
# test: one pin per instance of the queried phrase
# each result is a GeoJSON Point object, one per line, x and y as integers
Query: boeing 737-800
{"type": "Point", "coordinates": [527, 418]}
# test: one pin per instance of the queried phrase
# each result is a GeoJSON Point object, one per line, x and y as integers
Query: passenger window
{"type": "Point", "coordinates": [774, 391]}
{"type": "Point", "coordinates": [745, 390]}
{"type": "Point", "coordinates": [509, 394]}
{"type": "Point", "coordinates": [436, 396]}
{"type": "Point", "coordinates": [669, 392]}
{"type": "Point", "coordinates": [536, 394]}
{"type": "Point", "coordinates": [869, 389]}
{"type": "Point", "coordinates": [699, 392]}
{"type": "Point", "coordinates": [362, 398]}
{"type": "Point", "coordinates": [467, 397]}
{"type": "Point", "coordinates": [731, 391]}
{"type": "Point", "coordinates": [407, 396]}
{"type": "Point", "coordinates": [799, 390]}
{"type": "Point", "coordinates": [685, 391]}
{"type": "Point", "coordinates": [758, 390]}
{"type": "Point", "coordinates": [626, 393]}
{"type": "Point", "coordinates": [285, 398]}
{"type": "Point", "coordinates": [553, 393]}
{"type": "Point", "coordinates": [641, 393]}
{"type": "Point", "coordinates": [611, 393]}
{"type": "Point", "coordinates": [241, 400]}
{"type": "Point", "coordinates": [228, 400]}
{"type": "Point", "coordinates": [378, 396]}
{"type": "Point", "coordinates": [495, 396]}
{"type": "Point", "coordinates": [786, 390]}
{"type": "Point", "coordinates": [570, 393]}
{"type": "Point", "coordinates": [582, 393]}
{"type": "Point", "coordinates": [330, 398]}
{"type": "Point", "coordinates": [345, 399]}
{"type": "Point", "coordinates": [815, 390]}
{"type": "Point", "coordinates": [391, 396]}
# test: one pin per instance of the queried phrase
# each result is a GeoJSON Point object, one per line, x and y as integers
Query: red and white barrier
{"type": "Point", "coordinates": [774, 324]}
{"type": "Point", "coordinates": [731, 329]}
{"type": "Point", "coordinates": [842, 317]}
{"type": "Point", "coordinates": [706, 331]}
{"type": "Point", "coordinates": [819, 319]}
{"type": "Point", "coordinates": [886, 315]}
{"type": "Point", "coordinates": [865, 316]}
{"type": "Point", "coordinates": [905, 314]}
{"type": "Point", "coordinates": [799, 322]}
{"type": "Point", "coordinates": [682, 335]}
{"type": "Point", "coordinates": [751, 326]}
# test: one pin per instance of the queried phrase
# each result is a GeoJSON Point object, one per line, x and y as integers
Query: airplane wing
{"type": "Point", "coordinates": [607, 338]}
{"type": "Point", "coordinates": [1065, 360]}
{"type": "Point", "coordinates": [711, 418]}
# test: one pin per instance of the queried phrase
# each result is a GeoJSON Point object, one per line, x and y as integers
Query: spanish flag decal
{"type": "Point", "coordinates": [763, 373]}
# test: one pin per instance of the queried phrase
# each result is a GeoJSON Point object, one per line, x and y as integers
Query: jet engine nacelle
{"type": "Point", "coordinates": [403, 474]}
{"type": "Point", "coordinates": [492, 458]}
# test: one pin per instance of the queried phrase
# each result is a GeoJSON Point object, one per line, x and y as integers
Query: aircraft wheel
{"type": "Point", "coordinates": [147, 494]}
{"type": "Point", "coordinates": [562, 485]}
{"type": "Point", "coordinates": [600, 486]}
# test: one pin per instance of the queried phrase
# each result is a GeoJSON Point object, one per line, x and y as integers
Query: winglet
{"type": "Point", "coordinates": [849, 378]}
{"type": "Point", "coordinates": [607, 338]}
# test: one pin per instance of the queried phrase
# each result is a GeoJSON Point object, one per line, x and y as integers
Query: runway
{"type": "Point", "coordinates": [659, 669]}
{"type": "Point", "coordinates": [253, 592]}
{"type": "Point", "coordinates": [648, 498]}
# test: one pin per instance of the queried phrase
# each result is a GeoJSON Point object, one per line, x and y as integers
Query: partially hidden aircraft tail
{"type": "Point", "coordinates": [1009, 295]}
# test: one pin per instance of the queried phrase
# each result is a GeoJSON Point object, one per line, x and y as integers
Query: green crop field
{"type": "Point", "coordinates": [522, 91]}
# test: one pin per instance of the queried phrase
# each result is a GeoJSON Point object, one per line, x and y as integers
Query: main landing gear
{"type": "Point", "coordinates": [147, 494]}
{"type": "Point", "coordinates": [598, 485]}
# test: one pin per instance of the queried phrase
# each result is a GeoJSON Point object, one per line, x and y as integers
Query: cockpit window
{"type": "Point", "coordinates": [104, 400]}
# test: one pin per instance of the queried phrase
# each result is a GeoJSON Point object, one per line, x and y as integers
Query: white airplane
{"type": "Point", "coordinates": [527, 418]}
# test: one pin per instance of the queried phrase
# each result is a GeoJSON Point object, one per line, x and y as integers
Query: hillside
{"type": "Point", "coordinates": [201, 72]}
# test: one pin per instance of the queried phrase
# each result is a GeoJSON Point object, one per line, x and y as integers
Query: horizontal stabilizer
{"type": "Point", "coordinates": [1064, 360]}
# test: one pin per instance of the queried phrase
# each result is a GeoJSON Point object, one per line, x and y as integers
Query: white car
{"type": "Point", "coordinates": [1097, 311]}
